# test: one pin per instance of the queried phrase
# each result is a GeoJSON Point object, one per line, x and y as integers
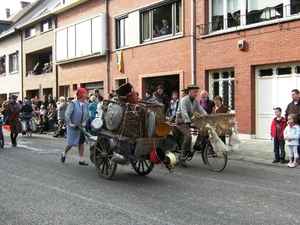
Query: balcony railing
{"type": "Point", "coordinates": [256, 16]}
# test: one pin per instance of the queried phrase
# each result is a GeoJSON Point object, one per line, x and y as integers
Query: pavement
{"type": "Point", "coordinates": [256, 151]}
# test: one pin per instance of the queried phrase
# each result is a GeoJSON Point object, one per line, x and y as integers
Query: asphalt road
{"type": "Point", "coordinates": [36, 188]}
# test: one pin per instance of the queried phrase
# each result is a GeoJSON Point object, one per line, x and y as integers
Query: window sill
{"type": "Point", "coordinates": [153, 41]}
{"type": "Point", "coordinates": [13, 72]}
{"type": "Point", "coordinates": [30, 37]}
{"type": "Point", "coordinates": [46, 31]}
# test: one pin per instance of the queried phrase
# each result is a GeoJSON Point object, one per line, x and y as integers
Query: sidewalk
{"type": "Point", "coordinates": [257, 151]}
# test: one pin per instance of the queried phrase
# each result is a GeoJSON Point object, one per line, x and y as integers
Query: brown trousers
{"type": "Point", "coordinates": [185, 130]}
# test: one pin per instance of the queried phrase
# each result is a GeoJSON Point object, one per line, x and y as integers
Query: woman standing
{"type": "Point", "coordinates": [77, 114]}
{"type": "Point", "coordinates": [171, 112]}
{"type": "Point", "coordinates": [219, 108]}
{"type": "Point", "coordinates": [13, 110]}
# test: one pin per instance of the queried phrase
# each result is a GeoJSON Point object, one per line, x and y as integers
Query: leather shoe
{"type": "Point", "coordinates": [63, 157]}
{"type": "Point", "coordinates": [84, 163]}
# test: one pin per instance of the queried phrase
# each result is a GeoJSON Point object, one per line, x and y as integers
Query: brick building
{"type": "Point", "coordinates": [239, 49]}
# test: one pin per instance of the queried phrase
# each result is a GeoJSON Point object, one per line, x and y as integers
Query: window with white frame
{"type": "Point", "coordinates": [122, 32]}
{"type": "Point", "coordinates": [46, 25]}
{"type": "Point", "coordinates": [161, 20]}
{"type": "Point", "coordinates": [13, 62]}
{"type": "Point", "coordinates": [30, 32]}
{"type": "Point", "coordinates": [230, 13]}
{"type": "Point", "coordinates": [222, 83]}
{"type": "Point", "coordinates": [81, 39]}
{"type": "Point", "coordinates": [2, 65]}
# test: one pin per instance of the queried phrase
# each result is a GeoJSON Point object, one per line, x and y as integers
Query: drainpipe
{"type": "Point", "coordinates": [21, 64]}
{"type": "Point", "coordinates": [107, 48]}
{"type": "Point", "coordinates": [193, 72]}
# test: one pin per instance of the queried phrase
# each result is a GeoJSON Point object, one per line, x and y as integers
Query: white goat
{"type": "Point", "coordinates": [217, 144]}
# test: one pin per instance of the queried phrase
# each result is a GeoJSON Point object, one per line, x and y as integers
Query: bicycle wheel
{"type": "Point", "coordinates": [216, 161]}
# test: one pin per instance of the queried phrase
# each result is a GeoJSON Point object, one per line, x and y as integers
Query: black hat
{"type": "Point", "coordinates": [185, 90]}
{"type": "Point", "coordinates": [160, 86]}
{"type": "Point", "coordinates": [192, 87]}
{"type": "Point", "coordinates": [13, 97]}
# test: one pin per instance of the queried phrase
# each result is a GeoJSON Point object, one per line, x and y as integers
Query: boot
{"type": "Point", "coordinates": [182, 158]}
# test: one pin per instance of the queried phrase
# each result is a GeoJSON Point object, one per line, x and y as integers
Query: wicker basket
{"type": "Point", "coordinates": [134, 123]}
{"type": "Point", "coordinates": [222, 123]}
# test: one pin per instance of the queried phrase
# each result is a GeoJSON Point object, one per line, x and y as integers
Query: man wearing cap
{"type": "Point", "coordinates": [13, 110]}
{"type": "Point", "coordinates": [164, 97]}
{"type": "Point", "coordinates": [184, 92]}
{"type": "Point", "coordinates": [188, 105]}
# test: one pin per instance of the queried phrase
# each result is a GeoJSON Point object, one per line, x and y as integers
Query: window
{"type": "Point", "coordinates": [265, 72]}
{"type": "Point", "coordinates": [82, 39]}
{"type": "Point", "coordinates": [231, 13]}
{"type": "Point", "coordinates": [122, 32]}
{"type": "Point", "coordinates": [2, 65]}
{"type": "Point", "coordinates": [13, 62]}
{"type": "Point", "coordinates": [30, 32]}
{"type": "Point", "coordinates": [222, 83]}
{"type": "Point", "coordinates": [161, 21]}
{"type": "Point", "coordinates": [284, 71]}
{"type": "Point", "coordinates": [46, 25]}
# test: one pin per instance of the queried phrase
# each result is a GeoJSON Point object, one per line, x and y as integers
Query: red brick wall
{"type": "Point", "coordinates": [264, 45]}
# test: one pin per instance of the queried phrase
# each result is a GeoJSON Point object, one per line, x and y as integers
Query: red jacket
{"type": "Point", "coordinates": [282, 123]}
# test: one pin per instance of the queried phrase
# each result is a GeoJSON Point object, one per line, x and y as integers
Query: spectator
{"type": "Point", "coordinates": [35, 69]}
{"type": "Point", "coordinates": [148, 95]}
{"type": "Point", "coordinates": [163, 31]}
{"type": "Point", "coordinates": [38, 102]}
{"type": "Point", "coordinates": [171, 112]}
{"type": "Point", "coordinates": [205, 102]}
{"type": "Point", "coordinates": [291, 136]}
{"type": "Point", "coordinates": [52, 117]}
{"type": "Point", "coordinates": [277, 127]}
{"type": "Point", "coordinates": [184, 92]}
{"type": "Point", "coordinates": [92, 113]}
{"type": "Point", "coordinates": [156, 97]}
{"type": "Point", "coordinates": [164, 98]}
{"type": "Point", "coordinates": [61, 108]}
{"type": "Point", "coordinates": [219, 108]}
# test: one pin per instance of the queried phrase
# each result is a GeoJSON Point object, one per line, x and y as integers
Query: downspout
{"type": "Point", "coordinates": [193, 72]}
{"type": "Point", "coordinates": [54, 17]}
{"type": "Point", "coordinates": [107, 48]}
{"type": "Point", "coordinates": [21, 64]}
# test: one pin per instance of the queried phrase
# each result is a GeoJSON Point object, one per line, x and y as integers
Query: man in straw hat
{"type": "Point", "coordinates": [188, 105]}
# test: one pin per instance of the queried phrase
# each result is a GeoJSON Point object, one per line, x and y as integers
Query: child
{"type": "Point", "coordinates": [277, 127]}
{"type": "Point", "coordinates": [291, 135]}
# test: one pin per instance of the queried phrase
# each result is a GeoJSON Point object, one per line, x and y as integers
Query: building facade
{"type": "Point", "coordinates": [239, 49]}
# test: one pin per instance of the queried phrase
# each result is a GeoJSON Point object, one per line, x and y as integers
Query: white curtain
{"type": "Point", "coordinates": [217, 7]}
{"type": "Point", "coordinates": [259, 4]}
{"type": "Point", "coordinates": [233, 6]}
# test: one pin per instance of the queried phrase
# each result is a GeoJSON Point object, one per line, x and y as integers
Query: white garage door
{"type": "Point", "coordinates": [273, 89]}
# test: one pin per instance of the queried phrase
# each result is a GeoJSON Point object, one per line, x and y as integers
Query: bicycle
{"type": "Point", "coordinates": [1, 133]}
{"type": "Point", "coordinates": [215, 160]}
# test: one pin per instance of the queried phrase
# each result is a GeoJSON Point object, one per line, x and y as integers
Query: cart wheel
{"type": "Point", "coordinates": [103, 158]}
{"type": "Point", "coordinates": [142, 167]}
{"type": "Point", "coordinates": [216, 162]}
{"type": "Point", "coordinates": [2, 141]}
